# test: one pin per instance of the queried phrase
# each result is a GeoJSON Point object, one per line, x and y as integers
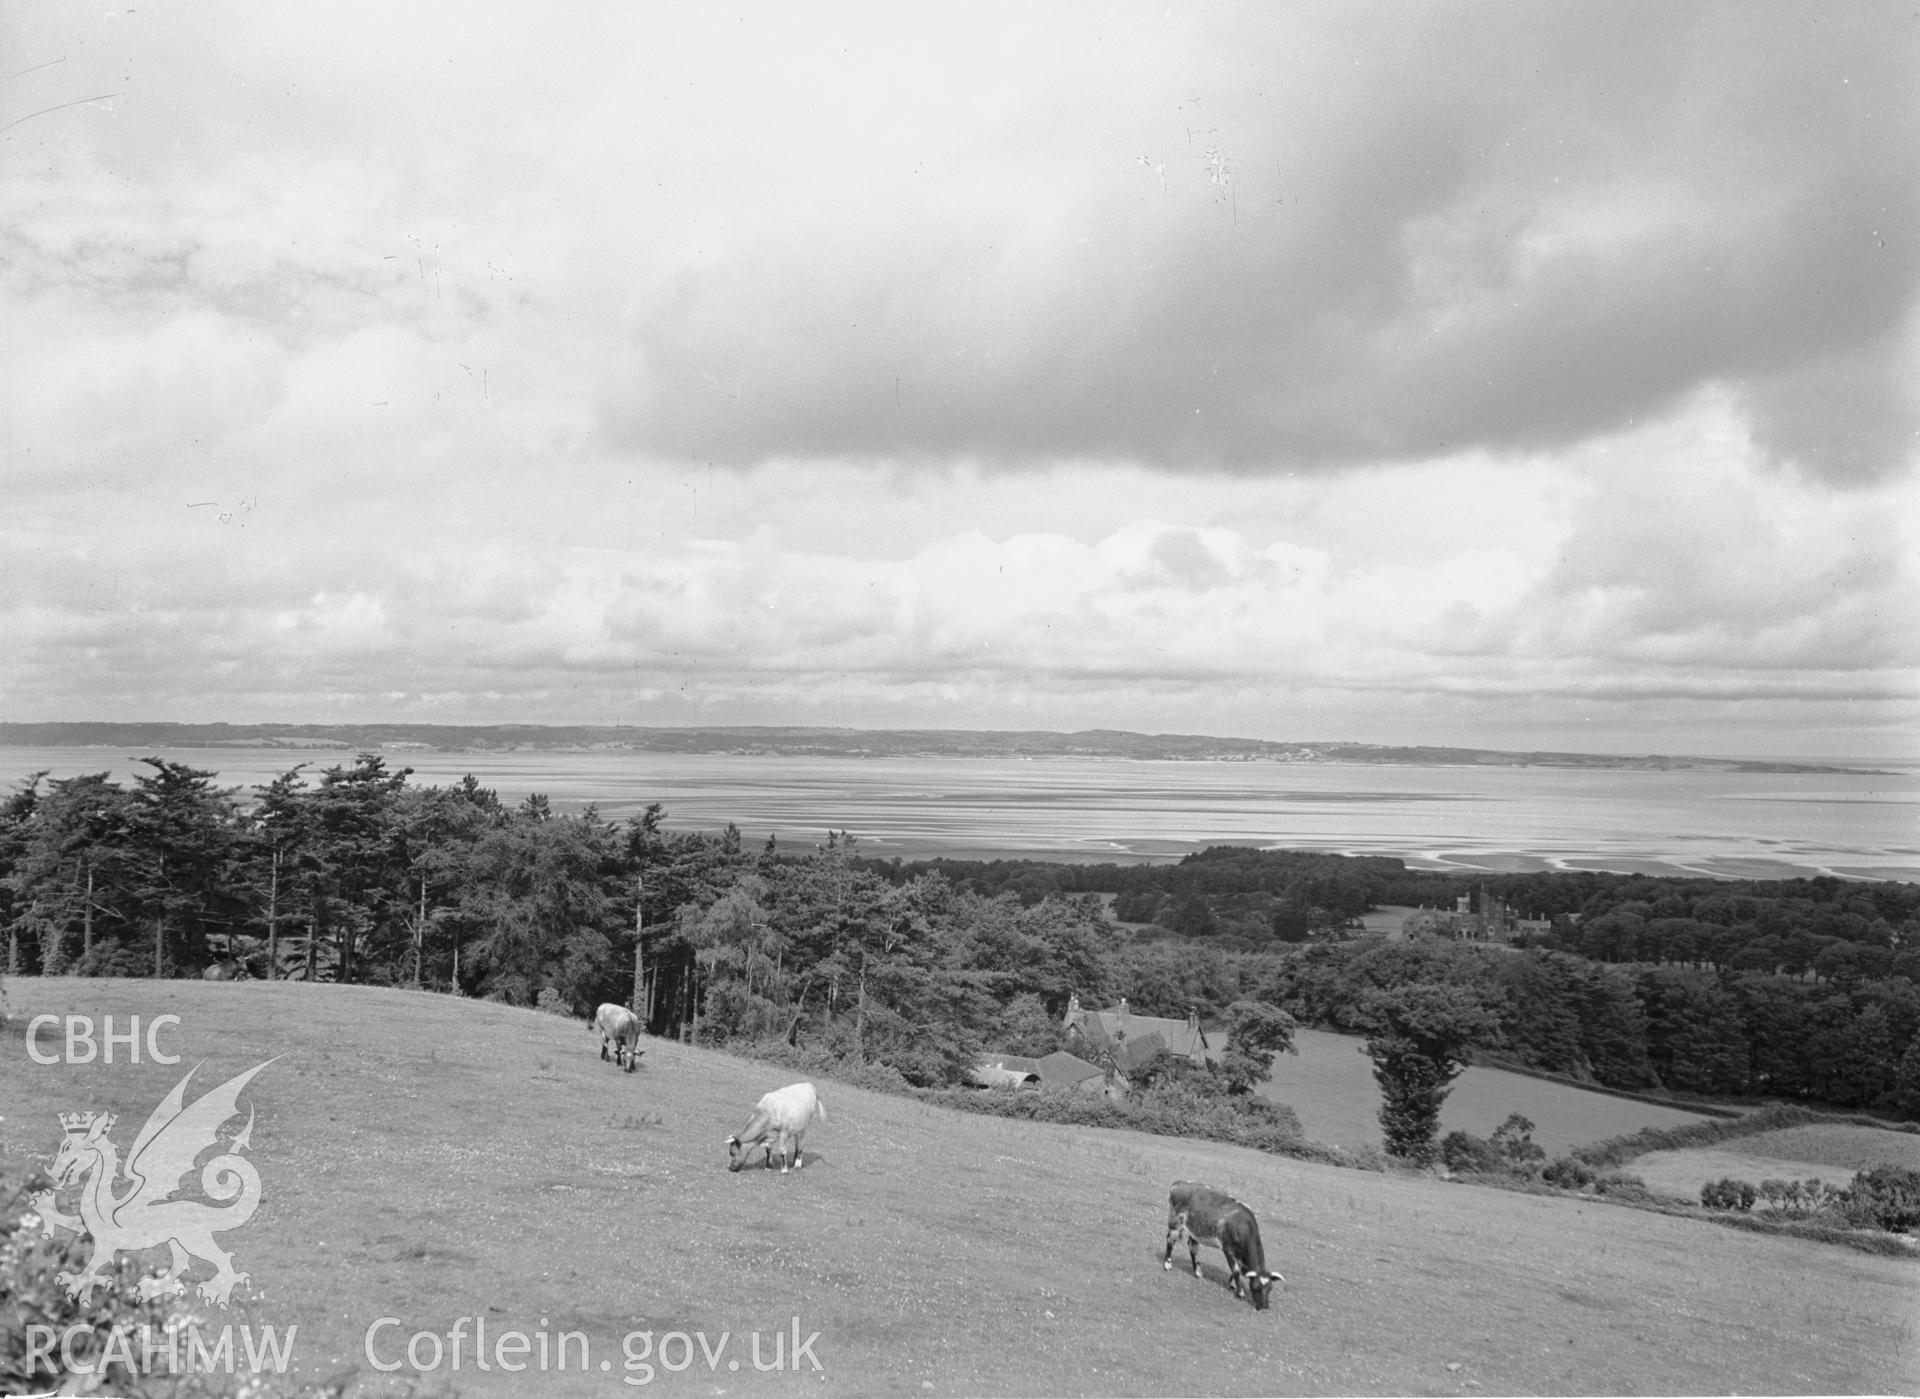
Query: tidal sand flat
{"type": "Point", "coordinates": [1723, 824]}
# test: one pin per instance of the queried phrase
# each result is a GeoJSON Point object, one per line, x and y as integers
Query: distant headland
{"type": "Point", "coordinates": [842, 743]}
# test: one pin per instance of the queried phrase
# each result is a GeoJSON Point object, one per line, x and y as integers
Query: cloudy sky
{"type": "Point", "coordinates": [1524, 375]}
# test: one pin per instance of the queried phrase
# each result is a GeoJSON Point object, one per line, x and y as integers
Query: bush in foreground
{"type": "Point", "coordinates": [30, 1297]}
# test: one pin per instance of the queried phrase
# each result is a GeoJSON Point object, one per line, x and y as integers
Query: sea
{"type": "Point", "coordinates": [1745, 825]}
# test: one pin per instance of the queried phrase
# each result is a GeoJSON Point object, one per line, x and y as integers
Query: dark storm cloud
{"type": "Point", "coordinates": [1366, 234]}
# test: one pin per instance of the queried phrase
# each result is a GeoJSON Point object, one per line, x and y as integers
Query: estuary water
{"type": "Point", "coordinates": [1734, 825]}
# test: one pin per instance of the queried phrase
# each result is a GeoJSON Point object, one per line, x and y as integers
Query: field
{"type": "Point", "coordinates": [1829, 1152]}
{"type": "Point", "coordinates": [1330, 1085]}
{"type": "Point", "coordinates": [430, 1159]}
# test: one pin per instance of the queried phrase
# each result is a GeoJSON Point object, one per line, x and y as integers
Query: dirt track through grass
{"type": "Point", "coordinates": [431, 1159]}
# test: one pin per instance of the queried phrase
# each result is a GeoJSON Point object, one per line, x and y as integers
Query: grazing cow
{"type": "Point", "coordinates": [1203, 1215]}
{"type": "Point", "coordinates": [779, 1118]}
{"type": "Point", "coordinates": [620, 1028]}
{"type": "Point", "coordinates": [226, 971]}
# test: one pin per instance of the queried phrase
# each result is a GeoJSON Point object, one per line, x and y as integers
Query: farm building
{"type": "Point", "coordinates": [1057, 1070]}
{"type": "Point", "coordinates": [1137, 1038]}
{"type": "Point", "coordinates": [1005, 1071]}
{"type": "Point", "coordinates": [1063, 1070]}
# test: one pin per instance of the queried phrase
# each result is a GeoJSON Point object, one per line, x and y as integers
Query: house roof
{"type": "Point", "coordinates": [1181, 1037]}
{"type": "Point", "coordinates": [1135, 1050]}
{"type": "Point", "coordinates": [1063, 1068]}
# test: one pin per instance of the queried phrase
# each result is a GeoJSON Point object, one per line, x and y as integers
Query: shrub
{"type": "Point", "coordinates": [1464, 1153]}
{"type": "Point", "coordinates": [1885, 1197]}
{"type": "Point", "coordinates": [109, 958]}
{"type": "Point", "coordinates": [1728, 1194]}
{"type": "Point", "coordinates": [1621, 1186]}
{"type": "Point", "coordinates": [1617, 1150]}
{"type": "Point", "coordinates": [1568, 1172]}
{"type": "Point", "coordinates": [29, 1261]}
{"type": "Point", "coordinates": [1168, 1111]}
{"type": "Point", "coordinates": [1797, 1198]}
{"type": "Point", "coordinates": [554, 1003]}
{"type": "Point", "coordinates": [1513, 1140]}
{"type": "Point", "coordinates": [829, 1062]}
{"type": "Point", "coordinates": [1830, 1216]}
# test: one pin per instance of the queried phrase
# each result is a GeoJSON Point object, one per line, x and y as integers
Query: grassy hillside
{"type": "Point", "coordinates": [429, 1159]}
{"type": "Point", "coordinates": [1330, 1085]}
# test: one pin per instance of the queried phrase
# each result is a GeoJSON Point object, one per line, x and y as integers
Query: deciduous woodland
{"type": "Point", "coordinates": [1800, 990]}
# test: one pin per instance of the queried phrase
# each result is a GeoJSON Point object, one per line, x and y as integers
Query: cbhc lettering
{"type": "Point", "coordinates": [82, 1048]}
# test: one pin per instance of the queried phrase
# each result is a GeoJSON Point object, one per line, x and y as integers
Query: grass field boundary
{"type": "Point", "coordinates": [1485, 1060]}
{"type": "Point", "coordinates": [1871, 1241]}
{"type": "Point", "coordinates": [1776, 1116]}
{"type": "Point", "coordinates": [1080, 1110]}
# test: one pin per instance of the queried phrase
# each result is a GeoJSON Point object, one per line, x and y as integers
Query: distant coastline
{"type": "Point", "coordinates": [845, 743]}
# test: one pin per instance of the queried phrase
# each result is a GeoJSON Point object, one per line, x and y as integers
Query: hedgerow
{"type": "Point", "coordinates": [1166, 1112]}
{"type": "Point", "coordinates": [1617, 1150]}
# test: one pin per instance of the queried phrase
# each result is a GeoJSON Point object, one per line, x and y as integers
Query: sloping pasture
{"type": "Point", "coordinates": [429, 1160]}
{"type": "Point", "coordinates": [1329, 1083]}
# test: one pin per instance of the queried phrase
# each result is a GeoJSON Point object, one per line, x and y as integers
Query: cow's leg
{"type": "Point", "coordinates": [1173, 1237]}
{"type": "Point", "coordinates": [1193, 1252]}
{"type": "Point", "coordinates": [603, 1049]}
{"type": "Point", "coordinates": [799, 1154]}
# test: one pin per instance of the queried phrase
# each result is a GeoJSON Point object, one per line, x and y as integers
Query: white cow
{"type": "Point", "coordinates": [620, 1028]}
{"type": "Point", "coordinates": [779, 1118]}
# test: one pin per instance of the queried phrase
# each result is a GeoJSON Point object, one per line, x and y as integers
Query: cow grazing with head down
{"type": "Point", "coordinates": [780, 1120]}
{"type": "Point", "coordinates": [619, 1028]}
{"type": "Point", "coordinates": [1203, 1215]}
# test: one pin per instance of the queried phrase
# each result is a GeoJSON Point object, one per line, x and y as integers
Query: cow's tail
{"type": "Point", "coordinates": [819, 1109]}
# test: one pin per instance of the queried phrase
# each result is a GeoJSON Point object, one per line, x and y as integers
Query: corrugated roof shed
{"type": "Point", "coordinates": [995, 1076]}
{"type": "Point", "coordinates": [1012, 1061]}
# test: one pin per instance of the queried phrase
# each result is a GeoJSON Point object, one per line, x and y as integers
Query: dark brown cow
{"type": "Point", "coordinates": [1202, 1215]}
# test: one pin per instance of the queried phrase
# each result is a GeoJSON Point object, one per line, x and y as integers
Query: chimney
{"type": "Point", "coordinates": [1123, 1010]}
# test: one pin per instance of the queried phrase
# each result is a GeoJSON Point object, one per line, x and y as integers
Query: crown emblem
{"type": "Point", "coordinates": [81, 1121]}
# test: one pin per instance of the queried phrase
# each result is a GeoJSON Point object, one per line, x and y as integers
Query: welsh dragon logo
{"type": "Point", "coordinates": [141, 1216]}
